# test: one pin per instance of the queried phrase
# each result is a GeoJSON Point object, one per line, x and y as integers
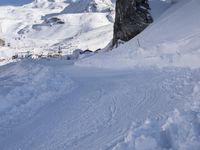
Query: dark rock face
{"type": "Point", "coordinates": [2, 42]}
{"type": "Point", "coordinates": [132, 17]}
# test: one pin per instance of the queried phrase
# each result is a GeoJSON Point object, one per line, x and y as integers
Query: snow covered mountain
{"type": "Point", "coordinates": [44, 25]}
{"type": "Point", "coordinates": [143, 95]}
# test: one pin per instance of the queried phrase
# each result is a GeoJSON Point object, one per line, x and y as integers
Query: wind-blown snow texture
{"type": "Point", "coordinates": [131, 98]}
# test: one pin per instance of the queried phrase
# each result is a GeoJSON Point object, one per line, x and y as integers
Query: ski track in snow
{"type": "Point", "coordinates": [97, 105]}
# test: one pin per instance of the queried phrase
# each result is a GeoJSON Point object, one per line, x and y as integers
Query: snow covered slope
{"type": "Point", "coordinates": [55, 106]}
{"type": "Point", "coordinates": [14, 2]}
{"type": "Point", "coordinates": [172, 40]}
{"type": "Point", "coordinates": [117, 100]}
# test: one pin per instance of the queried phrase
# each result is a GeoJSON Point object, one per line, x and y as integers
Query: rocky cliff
{"type": "Point", "coordinates": [132, 17]}
{"type": "Point", "coordinates": [2, 42]}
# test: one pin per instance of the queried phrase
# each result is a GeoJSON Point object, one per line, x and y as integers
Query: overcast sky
{"type": "Point", "coordinates": [14, 2]}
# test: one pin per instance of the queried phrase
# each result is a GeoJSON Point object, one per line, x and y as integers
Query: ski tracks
{"type": "Point", "coordinates": [102, 107]}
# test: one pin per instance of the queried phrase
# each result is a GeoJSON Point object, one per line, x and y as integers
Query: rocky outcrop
{"type": "Point", "coordinates": [132, 17]}
{"type": "Point", "coordinates": [54, 21]}
{"type": "Point", "coordinates": [2, 42]}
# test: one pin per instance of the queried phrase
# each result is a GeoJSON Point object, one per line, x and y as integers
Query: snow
{"type": "Point", "coordinates": [162, 44]}
{"type": "Point", "coordinates": [179, 131]}
{"type": "Point", "coordinates": [71, 106]}
{"type": "Point", "coordinates": [22, 96]}
{"type": "Point", "coordinates": [131, 98]}
{"type": "Point", "coordinates": [156, 11]}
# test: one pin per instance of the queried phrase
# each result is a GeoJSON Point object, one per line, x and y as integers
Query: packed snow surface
{"type": "Point", "coordinates": [55, 106]}
{"type": "Point", "coordinates": [143, 95]}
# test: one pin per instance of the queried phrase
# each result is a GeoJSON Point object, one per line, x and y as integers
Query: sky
{"type": "Point", "coordinates": [14, 2]}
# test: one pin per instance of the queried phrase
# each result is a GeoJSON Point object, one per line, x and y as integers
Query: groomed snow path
{"type": "Point", "coordinates": [84, 108]}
